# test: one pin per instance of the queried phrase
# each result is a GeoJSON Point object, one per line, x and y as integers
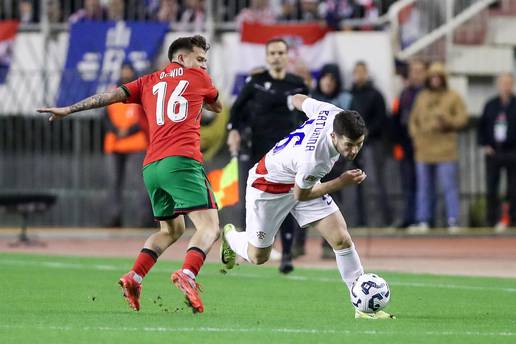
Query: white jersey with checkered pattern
{"type": "Point", "coordinates": [307, 154]}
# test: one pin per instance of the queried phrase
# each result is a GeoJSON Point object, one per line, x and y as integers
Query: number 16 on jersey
{"type": "Point", "coordinates": [177, 105]}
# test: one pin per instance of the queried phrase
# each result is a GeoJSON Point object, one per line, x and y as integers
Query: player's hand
{"type": "Point", "coordinates": [355, 176]}
{"type": "Point", "coordinates": [56, 112]}
{"type": "Point", "coordinates": [123, 133]}
{"type": "Point", "coordinates": [489, 151]}
{"type": "Point", "coordinates": [233, 142]}
{"type": "Point", "coordinates": [443, 125]}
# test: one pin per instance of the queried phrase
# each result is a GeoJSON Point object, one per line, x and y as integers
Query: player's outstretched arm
{"type": "Point", "coordinates": [318, 190]}
{"type": "Point", "coordinates": [93, 102]}
{"type": "Point", "coordinates": [296, 101]}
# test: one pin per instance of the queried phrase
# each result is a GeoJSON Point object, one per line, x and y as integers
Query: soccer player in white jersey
{"type": "Point", "coordinates": [287, 180]}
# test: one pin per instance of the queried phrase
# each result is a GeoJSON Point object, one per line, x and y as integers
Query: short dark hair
{"type": "Point", "coordinates": [128, 65]}
{"type": "Point", "coordinates": [350, 124]}
{"type": "Point", "coordinates": [275, 40]}
{"type": "Point", "coordinates": [361, 63]}
{"type": "Point", "coordinates": [187, 43]}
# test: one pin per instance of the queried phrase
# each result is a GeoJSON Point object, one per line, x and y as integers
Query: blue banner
{"type": "Point", "coordinates": [97, 50]}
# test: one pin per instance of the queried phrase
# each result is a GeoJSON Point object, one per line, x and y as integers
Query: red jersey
{"type": "Point", "coordinates": [172, 99]}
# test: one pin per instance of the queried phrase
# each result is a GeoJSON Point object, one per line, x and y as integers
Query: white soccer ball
{"type": "Point", "coordinates": [370, 293]}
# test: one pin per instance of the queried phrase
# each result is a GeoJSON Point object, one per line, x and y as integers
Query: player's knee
{"type": "Point", "coordinates": [342, 242]}
{"type": "Point", "coordinates": [259, 258]}
{"type": "Point", "coordinates": [174, 231]}
{"type": "Point", "coordinates": [210, 233]}
{"type": "Point", "coordinates": [178, 232]}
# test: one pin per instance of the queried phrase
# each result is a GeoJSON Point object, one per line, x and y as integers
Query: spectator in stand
{"type": "Point", "coordinates": [116, 10]}
{"type": "Point", "coordinates": [289, 10]}
{"type": "Point", "coordinates": [168, 11]}
{"type": "Point", "coordinates": [92, 10]}
{"type": "Point", "coordinates": [369, 8]}
{"type": "Point", "coordinates": [260, 11]}
{"type": "Point", "coordinates": [401, 136]}
{"type": "Point", "coordinates": [26, 12]}
{"type": "Point", "coordinates": [193, 16]}
{"type": "Point", "coordinates": [54, 12]}
{"type": "Point", "coordinates": [151, 6]}
{"type": "Point", "coordinates": [310, 10]}
{"type": "Point", "coordinates": [329, 89]}
{"type": "Point", "coordinates": [333, 11]}
{"type": "Point", "coordinates": [438, 115]}
{"type": "Point", "coordinates": [125, 144]}
{"type": "Point", "coordinates": [370, 103]}
{"type": "Point", "coordinates": [385, 5]}
{"type": "Point", "coordinates": [497, 136]}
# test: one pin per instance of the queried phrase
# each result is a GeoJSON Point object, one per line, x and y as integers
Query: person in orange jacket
{"type": "Point", "coordinates": [125, 142]}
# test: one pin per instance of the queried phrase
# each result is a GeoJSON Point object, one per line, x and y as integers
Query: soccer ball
{"type": "Point", "coordinates": [370, 293]}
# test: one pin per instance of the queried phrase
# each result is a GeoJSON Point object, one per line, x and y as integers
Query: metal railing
{"type": "Point", "coordinates": [222, 14]}
{"type": "Point", "coordinates": [66, 158]}
{"type": "Point", "coordinates": [426, 27]}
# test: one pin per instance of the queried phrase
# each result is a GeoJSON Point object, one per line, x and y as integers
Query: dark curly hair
{"type": "Point", "coordinates": [350, 124]}
{"type": "Point", "coordinates": [187, 43]}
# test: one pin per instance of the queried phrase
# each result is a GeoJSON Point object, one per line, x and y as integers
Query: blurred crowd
{"type": "Point", "coordinates": [419, 132]}
{"type": "Point", "coordinates": [421, 127]}
{"type": "Point", "coordinates": [191, 14]}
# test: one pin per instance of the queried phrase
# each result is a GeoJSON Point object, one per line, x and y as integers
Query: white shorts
{"type": "Point", "coordinates": [266, 212]}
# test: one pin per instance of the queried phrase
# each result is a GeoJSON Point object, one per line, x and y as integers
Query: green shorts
{"type": "Point", "coordinates": [177, 185]}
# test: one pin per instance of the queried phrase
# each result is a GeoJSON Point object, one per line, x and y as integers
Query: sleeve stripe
{"type": "Point", "coordinates": [126, 91]}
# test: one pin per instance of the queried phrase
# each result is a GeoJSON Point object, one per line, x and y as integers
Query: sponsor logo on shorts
{"type": "Point", "coordinates": [260, 235]}
{"type": "Point", "coordinates": [327, 199]}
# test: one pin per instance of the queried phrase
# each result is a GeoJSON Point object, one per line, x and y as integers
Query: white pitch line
{"type": "Point", "coordinates": [404, 284]}
{"type": "Point", "coordinates": [102, 267]}
{"type": "Point", "coordinates": [259, 330]}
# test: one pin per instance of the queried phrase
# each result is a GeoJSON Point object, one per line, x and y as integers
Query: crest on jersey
{"type": "Point", "coordinates": [260, 235]}
{"type": "Point", "coordinates": [311, 178]}
{"type": "Point", "coordinates": [267, 85]}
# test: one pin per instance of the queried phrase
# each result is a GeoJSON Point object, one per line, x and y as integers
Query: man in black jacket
{"type": "Point", "coordinates": [262, 107]}
{"type": "Point", "coordinates": [369, 102]}
{"type": "Point", "coordinates": [497, 136]}
{"type": "Point", "coordinates": [400, 135]}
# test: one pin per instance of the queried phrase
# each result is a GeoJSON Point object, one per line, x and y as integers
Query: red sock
{"type": "Point", "coordinates": [194, 260]}
{"type": "Point", "coordinates": [144, 262]}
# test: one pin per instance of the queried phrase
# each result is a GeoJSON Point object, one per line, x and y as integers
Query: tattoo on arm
{"type": "Point", "coordinates": [99, 100]}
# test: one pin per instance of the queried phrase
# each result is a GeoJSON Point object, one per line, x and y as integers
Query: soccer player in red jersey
{"type": "Point", "coordinates": [173, 99]}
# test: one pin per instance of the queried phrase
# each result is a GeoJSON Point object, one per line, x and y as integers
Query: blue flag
{"type": "Point", "coordinates": [97, 50]}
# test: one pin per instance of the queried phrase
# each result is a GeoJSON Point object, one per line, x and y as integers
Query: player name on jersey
{"type": "Point", "coordinates": [320, 123]}
{"type": "Point", "coordinates": [173, 73]}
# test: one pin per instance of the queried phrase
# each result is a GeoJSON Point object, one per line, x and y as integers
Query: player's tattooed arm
{"type": "Point", "coordinates": [93, 102]}
{"type": "Point", "coordinates": [99, 100]}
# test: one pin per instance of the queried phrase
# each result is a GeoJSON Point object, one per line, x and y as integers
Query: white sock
{"type": "Point", "coordinates": [349, 265]}
{"type": "Point", "coordinates": [189, 273]}
{"type": "Point", "coordinates": [238, 243]}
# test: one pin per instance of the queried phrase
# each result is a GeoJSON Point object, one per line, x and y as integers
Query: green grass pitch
{"type": "Point", "coordinates": [77, 300]}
